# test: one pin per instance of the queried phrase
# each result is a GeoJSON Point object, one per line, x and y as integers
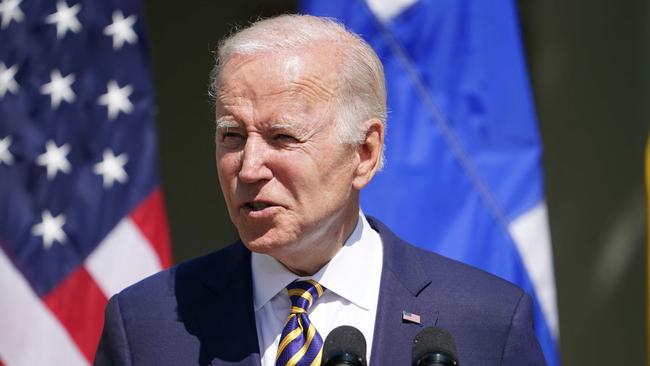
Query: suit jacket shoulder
{"type": "Point", "coordinates": [199, 312]}
{"type": "Point", "coordinates": [489, 318]}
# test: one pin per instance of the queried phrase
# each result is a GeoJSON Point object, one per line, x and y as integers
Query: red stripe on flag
{"type": "Point", "coordinates": [79, 305]}
{"type": "Point", "coordinates": [150, 218]}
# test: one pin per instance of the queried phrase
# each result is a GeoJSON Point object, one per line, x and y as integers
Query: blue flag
{"type": "Point", "coordinates": [463, 175]}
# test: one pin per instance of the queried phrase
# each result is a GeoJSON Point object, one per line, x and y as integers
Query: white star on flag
{"type": "Point", "coordinates": [112, 168]}
{"type": "Point", "coordinates": [116, 99]}
{"type": "Point", "coordinates": [54, 159]}
{"type": "Point", "coordinates": [10, 10]}
{"type": "Point", "coordinates": [65, 19]}
{"type": "Point", "coordinates": [5, 154]}
{"type": "Point", "coordinates": [50, 228]}
{"type": "Point", "coordinates": [59, 88]}
{"type": "Point", "coordinates": [121, 30]}
{"type": "Point", "coordinates": [7, 81]}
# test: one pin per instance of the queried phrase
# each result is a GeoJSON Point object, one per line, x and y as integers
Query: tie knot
{"type": "Point", "coordinates": [303, 294]}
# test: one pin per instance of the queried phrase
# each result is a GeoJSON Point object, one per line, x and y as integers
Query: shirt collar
{"type": "Point", "coordinates": [345, 274]}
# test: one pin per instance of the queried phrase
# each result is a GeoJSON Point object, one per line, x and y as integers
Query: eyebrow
{"type": "Point", "coordinates": [225, 123]}
{"type": "Point", "coordinates": [287, 127]}
{"type": "Point", "coordinates": [282, 126]}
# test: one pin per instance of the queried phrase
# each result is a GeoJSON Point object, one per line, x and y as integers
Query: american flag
{"type": "Point", "coordinates": [81, 211]}
{"type": "Point", "coordinates": [410, 317]}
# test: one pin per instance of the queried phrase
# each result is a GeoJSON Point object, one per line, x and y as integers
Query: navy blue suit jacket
{"type": "Point", "coordinates": [201, 312]}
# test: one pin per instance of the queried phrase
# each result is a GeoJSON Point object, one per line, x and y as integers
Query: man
{"type": "Point", "coordinates": [300, 111]}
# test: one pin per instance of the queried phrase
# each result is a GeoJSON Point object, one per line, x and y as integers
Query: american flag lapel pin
{"type": "Point", "coordinates": [410, 317]}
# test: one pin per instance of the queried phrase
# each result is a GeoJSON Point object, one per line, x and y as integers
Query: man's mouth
{"type": "Point", "coordinates": [257, 206]}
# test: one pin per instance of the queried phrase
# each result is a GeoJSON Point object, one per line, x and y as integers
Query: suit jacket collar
{"type": "Point", "coordinates": [220, 309]}
{"type": "Point", "coordinates": [228, 277]}
{"type": "Point", "coordinates": [403, 282]}
{"type": "Point", "coordinates": [397, 255]}
{"type": "Point", "coordinates": [217, 278]}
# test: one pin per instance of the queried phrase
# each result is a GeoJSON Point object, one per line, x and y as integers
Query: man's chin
{"type": "Point", "coordinates": [266, 243]}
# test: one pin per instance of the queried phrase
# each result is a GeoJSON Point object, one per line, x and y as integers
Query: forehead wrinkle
{"type": "Point", "coordinates": [313, 87]}
{"type": "Point", "coordinates": [232, 98]}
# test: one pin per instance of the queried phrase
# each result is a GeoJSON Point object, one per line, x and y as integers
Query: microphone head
{"type": "Point", "coordinates": [434, 346]}
{"type": "Point", "coordinates": [345, 345]}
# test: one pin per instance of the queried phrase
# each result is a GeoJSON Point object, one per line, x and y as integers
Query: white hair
{"type": "Point", "coordinates": [362, 91]}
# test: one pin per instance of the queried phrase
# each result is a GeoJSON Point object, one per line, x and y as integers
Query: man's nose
{"type": "Point", "coordinates": [254, 162]}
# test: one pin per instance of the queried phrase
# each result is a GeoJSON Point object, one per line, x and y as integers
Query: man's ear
{"type": "Point", "coordinates": [369, 153]}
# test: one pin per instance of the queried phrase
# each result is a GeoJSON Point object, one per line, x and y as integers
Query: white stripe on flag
{"type": "Point", "coordinates": [386, 9]}
{"type": "Point", "coordinates": [530, 232]}
{"type": "Point", "coordinates": [31, 334]}
{"type": "Point", "coordinates": [122, 258]}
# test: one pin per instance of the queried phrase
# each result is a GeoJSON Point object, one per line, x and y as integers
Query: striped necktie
{"type": "Point", "coordinates": [300, 343]}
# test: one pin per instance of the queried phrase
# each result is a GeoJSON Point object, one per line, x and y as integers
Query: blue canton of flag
{"type": "Point", "coordinates": [81, 213]}
{"type": "Point", "coordinates": [463, 152]}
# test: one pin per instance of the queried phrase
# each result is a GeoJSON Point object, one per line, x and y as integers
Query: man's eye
{"type": "Point", "coordinates": [284, 138]}
{"type": "Point", "coordinates": [231, 139]}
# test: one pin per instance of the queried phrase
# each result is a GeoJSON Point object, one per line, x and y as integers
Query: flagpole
{"type": "Point", "coordinates": [647, 184]}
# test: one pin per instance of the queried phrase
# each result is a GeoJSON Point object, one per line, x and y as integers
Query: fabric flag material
{"type": "Point", "coordinates": [463, 175]}
{"type": "Point", "coordinates": [81, 212]}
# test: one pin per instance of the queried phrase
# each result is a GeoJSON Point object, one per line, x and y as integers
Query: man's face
{"type": "Point", "coordinates": [286, 179]}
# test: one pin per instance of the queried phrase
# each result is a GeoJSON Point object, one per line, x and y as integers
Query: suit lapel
{"type": "Point", "coordinates": [220, 310]}
{"type": "Point", "coordinates": [223, 318]}
{"type": "Point", "coordinates": [403, 281]}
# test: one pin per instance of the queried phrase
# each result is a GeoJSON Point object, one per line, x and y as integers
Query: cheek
{"type": "Point", "coordinates": [227, 171]}
{"type": "Point", "coordinates": [310, 179]}
{"type": "Point", "coordinates": [338, 176]}
{"type": "Point", "coordinates": [289, 172]}
{"type": "Point", "coordinates": [227, 165]}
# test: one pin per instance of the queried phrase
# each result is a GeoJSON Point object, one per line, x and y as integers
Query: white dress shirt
{"type": "Point", "coordinates": [351, 278]}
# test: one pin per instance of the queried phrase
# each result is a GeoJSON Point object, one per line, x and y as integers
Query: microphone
{"type": "Point", "coordinates": [434, 346]}
{"type": "Point", "coordinates": [344, 346]}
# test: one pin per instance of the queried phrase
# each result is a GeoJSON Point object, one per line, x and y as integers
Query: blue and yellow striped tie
{"type": "Point", "coordinates": [300, 343]}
